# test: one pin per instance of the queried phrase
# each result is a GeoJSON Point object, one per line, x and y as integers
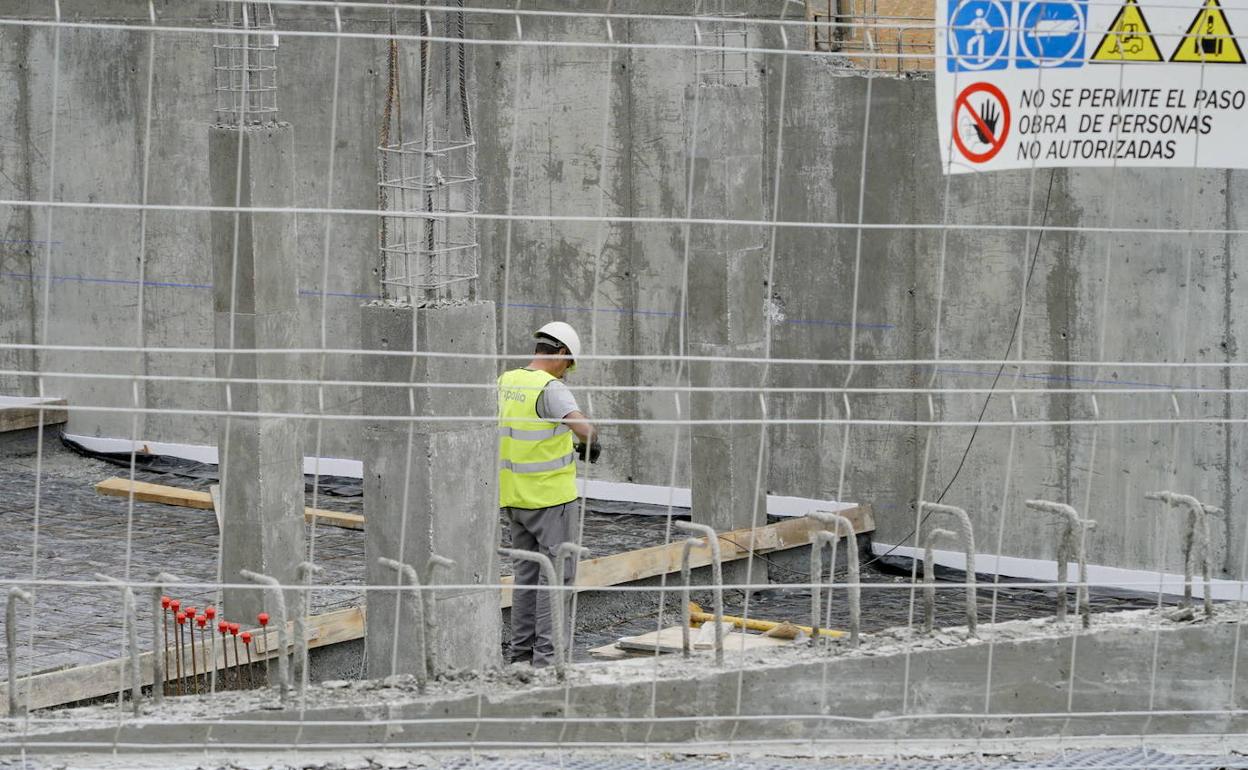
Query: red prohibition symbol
{"type": "Point", "coordinates": [991, 129]}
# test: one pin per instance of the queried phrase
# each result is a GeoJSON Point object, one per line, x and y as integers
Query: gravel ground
{"type": "Point", "coordinates": [81, 534]}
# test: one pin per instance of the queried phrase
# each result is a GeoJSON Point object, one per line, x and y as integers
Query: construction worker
{"type": "Point", "coordinates": [537, 418]}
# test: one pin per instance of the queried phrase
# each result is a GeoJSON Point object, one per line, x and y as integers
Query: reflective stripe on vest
{"type": "Point", "coordinates": [536, 434]}
{"type": "Point", "coordinates": [549, 465]}
{"type": "Point", "coordinates": [537, 466]}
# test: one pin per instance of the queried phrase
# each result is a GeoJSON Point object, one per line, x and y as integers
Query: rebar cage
{"type": "Point", "coordinates": [244, 63]}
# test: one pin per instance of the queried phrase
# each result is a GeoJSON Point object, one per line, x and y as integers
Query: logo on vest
{"type": "Point", "coordinates": [513, 394]}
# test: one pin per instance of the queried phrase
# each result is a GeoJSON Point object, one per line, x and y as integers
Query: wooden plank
{"type": "Point", "coordinates": [155, 493]}
{"type": "Point", "coordinates": [669, 640]}
{"type": "Point", "coordinates": [20, 413]}
{"type": "Point", "coordinates": [190, 498]}
{"type": "Point", "coordinates": [215, 491]}
{"type": "Point", "coordinates": [70, 685]}
{"type": "Point", "coordinates": [665, 559]}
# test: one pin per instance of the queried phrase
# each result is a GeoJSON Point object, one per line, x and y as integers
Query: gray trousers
{"type": "Point", "coordinates": [540, 530]}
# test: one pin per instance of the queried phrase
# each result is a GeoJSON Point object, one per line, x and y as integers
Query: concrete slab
{"type": "Point", "coordinates": [898, 688]}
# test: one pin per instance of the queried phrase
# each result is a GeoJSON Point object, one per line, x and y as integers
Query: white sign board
{"type": "Point", "coordinates": [1045, 83]}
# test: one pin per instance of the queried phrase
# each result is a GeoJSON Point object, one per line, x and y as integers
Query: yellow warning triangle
{"type": "Point", "coordinates": [1128, 38]}
{"type": "Point", "coordinates": [1209, 40]}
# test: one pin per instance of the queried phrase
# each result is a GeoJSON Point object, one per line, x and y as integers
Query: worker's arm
{"type": "Point", "coordinates": [585, 433]}
{"type": "Point", "coordinates": [580, 425]}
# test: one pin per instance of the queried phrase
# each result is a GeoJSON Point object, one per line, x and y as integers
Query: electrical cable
{"type": "Point", "coordinates": [1031, 269]}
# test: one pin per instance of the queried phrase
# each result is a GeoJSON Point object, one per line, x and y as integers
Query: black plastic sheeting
{"type": "Point", "coordinates": [204, 474]}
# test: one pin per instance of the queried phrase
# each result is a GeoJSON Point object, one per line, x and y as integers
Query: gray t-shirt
{"type": "Point", "coordinates": [556, 401]}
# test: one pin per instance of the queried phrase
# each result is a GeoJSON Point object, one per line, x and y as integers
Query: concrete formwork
{"type": "Point", "coordinates": [430, 487]}
{"type": "Point", "coordinates": [254, 302]}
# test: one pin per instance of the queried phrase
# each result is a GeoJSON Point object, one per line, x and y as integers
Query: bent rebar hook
{"type": "Point", "coordinates": [418, 609]}
{"type": "Point", "coordinates": [929, 575]}
{"type": "Point", "coordinates": [432, 566]}
{"type": "Point", "coordinates": [1195, 537]}
{"type": "Point", "coordinates": [1072, 538]}
{"type": "Point", "coordinates": [283, 659]}
{"type": "Point", "coordinates": [132, 640]}
{"type": "Point", "coordinates": [10, 636]}
{"type": "Point", "coordinates": [844, 527]}
{"type": "Point", "coordinates": [968, 546]}
{"type": "Point", "coordinates": [819, 539]}
{"type": "Point", "coordinates": [158, 619]}
{"type": "Point", "coordinates": [554, 584]}
{"type": "Point", "coordinates": [717, 581]}
{"type": "Point", "coordinates": [565, 552]}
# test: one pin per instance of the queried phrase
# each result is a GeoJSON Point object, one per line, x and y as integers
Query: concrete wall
{"type": "Point", "coordinates": [588, 131]}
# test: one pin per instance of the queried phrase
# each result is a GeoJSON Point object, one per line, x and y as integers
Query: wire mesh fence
{"type": "Point", "coordinates": [798, 333]}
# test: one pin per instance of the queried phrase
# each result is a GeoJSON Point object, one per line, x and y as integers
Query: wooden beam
{"type": "Point", "coordinates": [155, 493]}
{"type": "Point", "coordinates": [190, 498]}
{"type": "Point", "coordinates": [79, 683]}
{"type": "Point", "coordinates": [665, 559]}
{"type": "Point", "coordinates": [20, 413]}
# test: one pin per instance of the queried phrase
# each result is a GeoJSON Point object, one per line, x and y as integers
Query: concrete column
{"type": "Point", "coordinates": [450, 484]}
{"type": "Point", "coordinates": [254, 297]}
{"type": "Point", "coordinates": [726, 293]}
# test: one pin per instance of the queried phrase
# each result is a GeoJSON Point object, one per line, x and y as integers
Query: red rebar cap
{"type": "Point", "coordinates": [246, 637]}
{"type": "Point", "coordinates": [210, 612]}
{"type": "Point", "coordinates": [180, 617]}
{"type": "Point", "coordinates": [190, 611]}
{"type": "Point", "coordinates": [164, 602]}
{"type": "Point", "coordinates": [263, 617]}
{"type": "Point", "coordinates": [202, 621]}
{"type": "Point", "coordinates": [234, 628]}
{"type": "Point", "coordinates": [223, 627]}
{"type": "Point", "coordinates": [174, 604]}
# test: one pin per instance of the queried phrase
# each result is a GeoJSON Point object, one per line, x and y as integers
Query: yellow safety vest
{"type": "Point", "coordinates": [536, 459]}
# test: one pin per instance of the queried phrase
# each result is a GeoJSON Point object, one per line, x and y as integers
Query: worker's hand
{"type": "Point", "coordinates": [594, 450]}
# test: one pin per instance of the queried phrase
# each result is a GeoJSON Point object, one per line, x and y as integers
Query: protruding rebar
{"type": "Point", "coordinates": [16, 708]}
{"type": "Point", "coordinates": [819, 539]}
{"type": "Point", "coordinates": [158, 622]}
{"type": "Point", "coordinates": [1195, 538]}
{"type": "Point", "coordinates": [929, 575]}
{"type": "Point", "coordinates": [553, 583]}
{"type": "Point", "coordinates": [1073, 539]}
{"type": "Point", "coordinates": [968, 547]}
{"type": "Point", "coordinates": [717, 581]}
{"type": "Point", "coordinates": [303, 573]}
{"type": "Point", "coordinates": [279, 598]}
{"type": "Point", "coordinates": [131, 619]}
{"type": "Point", "coordinates": [685, 576]}
{"type": "Point", "coordinates": [564, 553]}
{"type": "Point", "coordinates": [417, 602]}
{"type": "Point", "coordinates": [432, 567]}
{"type": "Point", "coordinates": [844, 527]}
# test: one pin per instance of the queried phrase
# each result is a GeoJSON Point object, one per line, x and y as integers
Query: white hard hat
{"type": "Point", "coordinates": [565, 335]}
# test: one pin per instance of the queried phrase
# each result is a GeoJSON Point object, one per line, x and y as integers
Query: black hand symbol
{"type": "Point", "coordinates": [989, 115]}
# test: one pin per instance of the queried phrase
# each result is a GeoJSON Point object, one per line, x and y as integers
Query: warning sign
{"type": "Point", "coordinates": [1069, 83]}
{"type": "Point", "coordinates": [1209, 40]}
{"type": "Point", "coordinates": [1128, 38]}
{"type": "Point", "coordinates": [983, 122]}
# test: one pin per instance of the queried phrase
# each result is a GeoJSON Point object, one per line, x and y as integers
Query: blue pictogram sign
{"type": "Point", "coordinates": [1051, 34]}
{"type": "Point", "coordinates": [979, 35]}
